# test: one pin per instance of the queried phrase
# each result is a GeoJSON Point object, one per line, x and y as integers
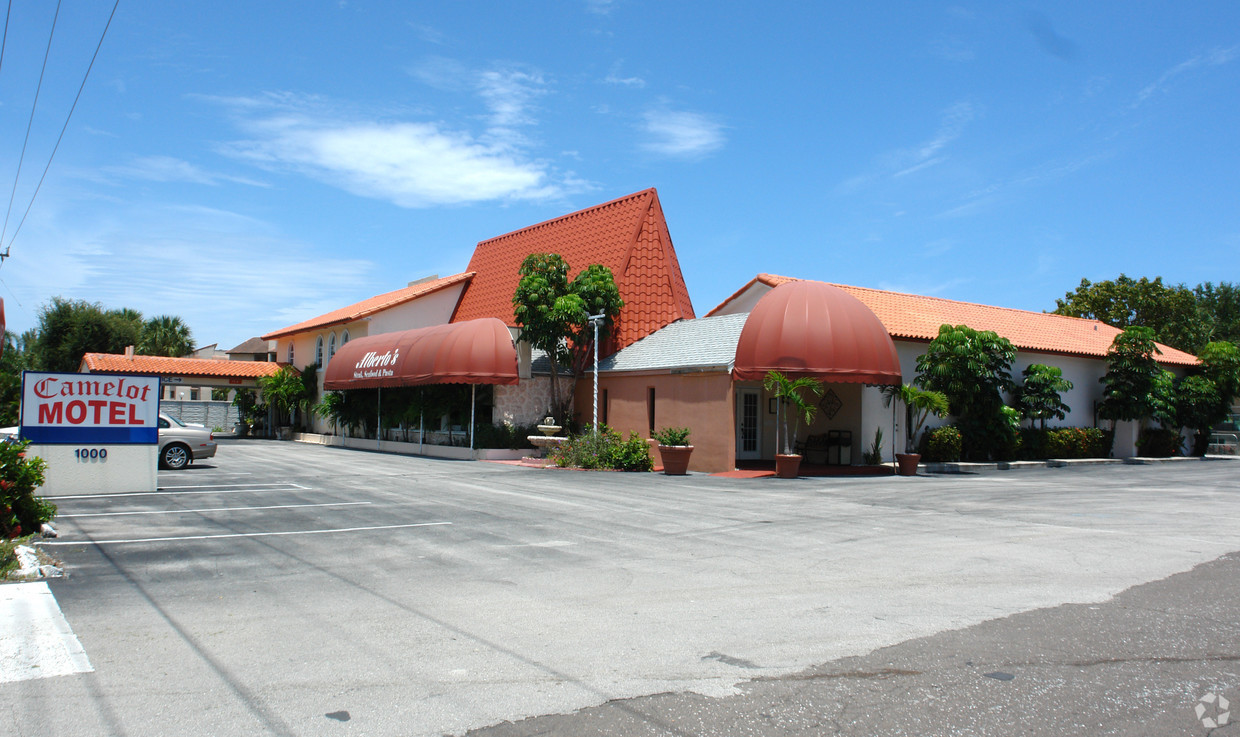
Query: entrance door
{"type": "Point", "coordinates": [748, 424]}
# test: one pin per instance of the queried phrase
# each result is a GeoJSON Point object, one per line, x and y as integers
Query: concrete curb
{"type": "Point", "coordinates": [974, 468]}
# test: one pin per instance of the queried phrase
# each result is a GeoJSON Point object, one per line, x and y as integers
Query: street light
{"type": "Point", "coordinates": [595, 320]}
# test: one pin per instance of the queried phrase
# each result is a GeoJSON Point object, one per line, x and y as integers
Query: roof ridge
{"type": "Point", "coordinates": [571, 215]}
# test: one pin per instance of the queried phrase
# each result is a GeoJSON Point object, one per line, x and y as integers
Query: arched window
{"type": "Point", "coordinates": [318, 352]}
{"type": "Point", "coordinates": [344, 338]}
{"type": "Point", "coordinates": [290, 353]}
{"type": "Point", "coordinates": [331, 347]}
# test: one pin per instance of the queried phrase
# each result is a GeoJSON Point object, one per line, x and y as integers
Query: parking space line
{"type": "Point", "coordinates": [126, 494]}
{"type": "Point", "coordinates": [212, 509]}
{"type": "Point", "coordinates": [240, 534]}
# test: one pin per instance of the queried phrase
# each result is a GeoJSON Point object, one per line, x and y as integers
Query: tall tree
{"type": "Point", "coordinates": [68, 329]}
{"type": "Point", "coordinates": [1135, 387]}
{"type": "Point", "coordinates": [1173, 313]}
{"type": "Point", "coordinates": [1222, 303]}
{"type": "Point", "coordinates": [973, 369]}
{"type": "Point", "coordinates": [553, 313]}
{"type": "Point", "coordinates": [13, 361]}
{"type": "Point", "coordinates": [1039, 397]}
{"type": "Point", "coordinates": [166, 335]}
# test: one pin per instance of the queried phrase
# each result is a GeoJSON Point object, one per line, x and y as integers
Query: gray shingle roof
{"type": "Point", "coordinates": [686, 344]}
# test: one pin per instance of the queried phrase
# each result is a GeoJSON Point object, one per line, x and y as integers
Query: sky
{"type": "Point", "coordinates": [247, 166]}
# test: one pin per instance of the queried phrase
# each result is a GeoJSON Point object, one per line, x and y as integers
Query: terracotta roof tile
{"type": "Point", "coordinates": [370, 306]}
{"type": "Point", "coordinates": [628, 235]}
{"type": "Point", "coordinates": [918, 318]}
{"type": "Point", "coordinates": [211, 367]}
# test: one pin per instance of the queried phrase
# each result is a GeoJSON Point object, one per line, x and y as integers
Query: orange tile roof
{"type": "Point", "coordinates": [206, 367]}
{"type": "Point", "coordinates": [370, 306]}
{"type": "Point", "coordinates": [915, 317]}
{"type": "Point", "coordinates": [628, 235]}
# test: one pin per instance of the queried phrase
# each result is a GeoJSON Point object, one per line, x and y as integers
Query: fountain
{"type": "Point", "coordinates": [548, 438]}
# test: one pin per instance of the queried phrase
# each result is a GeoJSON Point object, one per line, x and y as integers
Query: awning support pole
{"type": "Point", "coordinates": [421, 422]}
{"type": "Point", "coordinates": [379, 420]}
{"type": "Point", "coordinates": [473, 397]}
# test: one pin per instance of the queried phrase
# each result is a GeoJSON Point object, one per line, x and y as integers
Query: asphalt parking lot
{"type": "Point", "coordinates": [293, 589]}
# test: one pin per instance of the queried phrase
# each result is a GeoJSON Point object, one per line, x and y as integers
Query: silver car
{"type": "Point", "coordinates": [180, 444]}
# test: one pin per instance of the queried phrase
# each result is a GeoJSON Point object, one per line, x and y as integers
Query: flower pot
{"type": "Point", "coordinates": [787, 466]}
{"type": "Point", "coordinates": [906, 463]}
{"type": "Point", "coordinates": [675, 459]}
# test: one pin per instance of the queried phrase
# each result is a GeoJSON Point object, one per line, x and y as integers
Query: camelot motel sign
{"type": "Point", "coordinates": [97, 432]}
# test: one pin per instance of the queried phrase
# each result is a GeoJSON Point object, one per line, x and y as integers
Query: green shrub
{"type": "Point", "coordinates": [672, 436]}
{"type": "Point", "coordinates": [20, 510]}
{"type": "Point", "coordinates": [1065, 442]}
{"type": "Point", "coordinates": [604, 449]}
{"type": "Point", "coordinates": [1158, 442]}
{"type": "Point", "coordinates": [506, 435]}
{"type": "Point", "coordinates": [942, 445]}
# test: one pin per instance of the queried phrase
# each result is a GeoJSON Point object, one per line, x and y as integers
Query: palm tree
{"type": "Point", "coordinates": [166, 335]}
{"type": "Point", "coordinates": [918, 405]}
{"type": "Point", "coordinates": [789, 393]}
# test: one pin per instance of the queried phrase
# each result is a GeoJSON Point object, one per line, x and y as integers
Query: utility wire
{"type": "Point", "coordinates": [30, 123]}
{"type": "Point", "coordinates": [4, 41]}
{"type": "Point", "coordinates": [59, 138]}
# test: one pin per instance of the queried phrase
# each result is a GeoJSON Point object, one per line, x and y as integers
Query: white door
{"type": "Point", "coordinates": [748, 424]}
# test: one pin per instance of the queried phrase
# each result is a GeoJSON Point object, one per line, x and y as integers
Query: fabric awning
{"type": "Point", "coordinates": [472, 352]}
{"type": "Point", "coordinates": [808, 328]}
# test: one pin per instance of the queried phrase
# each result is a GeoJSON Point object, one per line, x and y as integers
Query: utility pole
{"type": "Point", "coordinates": [595, 320]}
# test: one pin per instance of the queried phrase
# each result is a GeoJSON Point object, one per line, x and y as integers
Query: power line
{"type": "Point", "coordinates": [60, 137]}
{"type": "Point", "coordinates": [4, 41]}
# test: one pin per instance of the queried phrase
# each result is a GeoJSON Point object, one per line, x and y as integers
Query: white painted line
{"type": "Point", "coordinates": [246, 490]}
{"type": "Point", "coordinates": [212, 509]}
{"type": "Point", "coordinates": [241, 534]}
{"type": "Point", "coordinates": [35, 639]}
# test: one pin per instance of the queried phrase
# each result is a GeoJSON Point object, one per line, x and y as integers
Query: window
{"type": "Point", "coordinates": [318, 352]}
{"type": "Point", "coordinates": [604, 413]}
{"type": "Point", "coordinates": [193, 394]}
{"type": "Point", "coordinates": [650, 407]}
{"type": "Point", "coordinates": [344, 338]}
{"type": "Point", "coordinates": [331, 347]}
{"type": "Point", "coordinates": [290, 353]}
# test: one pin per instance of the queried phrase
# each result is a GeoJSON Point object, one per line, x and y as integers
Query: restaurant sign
{"type": "Point", "coordinates": [61, 409]}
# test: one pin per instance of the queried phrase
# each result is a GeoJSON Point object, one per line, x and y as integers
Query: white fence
{"type": "Point", "coordinates": [210, 414]}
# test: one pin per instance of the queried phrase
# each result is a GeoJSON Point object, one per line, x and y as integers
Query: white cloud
{"type": "Point", "coordinates": [599, 7]}
{"type": "Point", "coordinates": [903, 162]}
{"type": "Point", "coordinates": [682, 134]}
{"type": "Point", "coordinates": [169, 169]}
{"type": "Point", "coordinates": [1212, 58]}
{"type": "Point", "coordinates": [411, 164]}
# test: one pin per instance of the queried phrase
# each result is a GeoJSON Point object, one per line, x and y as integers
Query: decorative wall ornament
{"type": "Point", "coordinates": [830, 404]}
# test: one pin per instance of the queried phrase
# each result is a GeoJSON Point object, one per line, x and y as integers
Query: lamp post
{"type": "Point", "coordinates": [595, 320]}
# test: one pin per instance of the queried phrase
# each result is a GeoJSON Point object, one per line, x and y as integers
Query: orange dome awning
{"type": "Point", "coordinates": [471, 352]}
{"type": "Point", "coordinates": [808, 328]}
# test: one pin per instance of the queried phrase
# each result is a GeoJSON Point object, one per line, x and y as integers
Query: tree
{"type": "Point", "coordinates": [165, 335]}
{"type": "Point", "coordinates": [13, 361]}
{"type": "Point", "coordinates": [1039, 397]}
{"type": "Point", "coordinates": [971, 368]}
{"type": "Point", "coordinates": [790, 394]}
{"type": "Point", "coordinates": [553, 314]}
{"type": "Point", "coordinates": [1204, 398]}
{"type": "Point", "coordinates": [918, 405]}
{"type": "Point", "coordinates": [1222, 304]}
{"type": "Point", "coordinates": [1135, 387]}
{"type": "Point", "coordinates": [1171, 312]}
{"type": "Point", "coordinates": [284, 390]}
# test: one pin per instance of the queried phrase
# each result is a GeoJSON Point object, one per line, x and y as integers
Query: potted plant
{"type": "Point", "coordinates": [789, 396]}
{"type": "Point", "coordinates": [918, 405]}
{"type": "Point", "coordinates": [674, 449]}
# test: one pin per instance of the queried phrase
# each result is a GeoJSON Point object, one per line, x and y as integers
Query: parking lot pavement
{"type": "Point", "coordinates": [294, 589]}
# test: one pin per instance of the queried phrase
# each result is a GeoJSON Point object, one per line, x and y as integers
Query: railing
{"type": "Point", "coordinates": [1224, 443]}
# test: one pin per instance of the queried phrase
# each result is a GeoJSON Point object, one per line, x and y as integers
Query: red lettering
{"type": "Point", "coordinates": [133, 415]}
{"type": "Point", "coordinates": [145, 389]}
{"type": "Point", "coordinates": [51, 414]}
{"type": "Point", "coordinates": [116, 413]}
{"type": "Point", "coordinates": [45, 389]}
{"type": "Point", "coordinates": [75, 412]}
{"type": "Point", "coordinates": [98, 405]}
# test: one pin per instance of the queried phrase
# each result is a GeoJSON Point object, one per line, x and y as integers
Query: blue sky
{"type": "Point", "coordinates": [250, 165]}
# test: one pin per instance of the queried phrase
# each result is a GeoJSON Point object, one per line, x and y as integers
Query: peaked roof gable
{"type": "Point", "coordinates": [627, 235]}
{"type": "Point", "coordinates": [915, 317]}
{"type": "Point", "coordinates": [370, 306]}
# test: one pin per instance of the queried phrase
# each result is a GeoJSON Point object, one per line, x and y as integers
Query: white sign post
{"type": "Point", "coordinates": [98, 432]}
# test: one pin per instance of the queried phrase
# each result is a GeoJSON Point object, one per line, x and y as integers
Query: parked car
{"type": "Point", "coordinates": [181, 444]}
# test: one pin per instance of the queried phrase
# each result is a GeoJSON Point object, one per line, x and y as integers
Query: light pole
{"type": "Point", "coordinates": [595, 320]}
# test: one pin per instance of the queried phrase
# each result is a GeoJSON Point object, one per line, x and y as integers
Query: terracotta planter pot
{"type": "Point", "coordinates": [675, 459]}
{"type": "Point", "coordinates": [906, 463]}
{"type": "Point", "coordinates": [787, 466]}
